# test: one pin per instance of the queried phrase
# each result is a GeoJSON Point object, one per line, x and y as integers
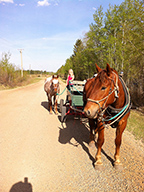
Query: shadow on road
{"type": "Point", "coordinates": [77, 130]}
{"type": "Point", "coordinates": [80, 132]}
{"type": "Point", "coordinates": [45, 104]}
{"type": "Point", "coordinates": [22, 186]}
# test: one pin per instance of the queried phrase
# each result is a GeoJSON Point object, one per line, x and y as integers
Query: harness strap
{"type": "Point", "coordinates": [126, 108]}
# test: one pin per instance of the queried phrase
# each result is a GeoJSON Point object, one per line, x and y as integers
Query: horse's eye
{"type": "Point", "coordinates": [103, 88]}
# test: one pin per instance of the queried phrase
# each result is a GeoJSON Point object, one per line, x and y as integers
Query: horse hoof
{"type": "Point", "coordinates": [50, 113]}
{"type": "Point", "coordinates": [99, 167]}
{"type": "Point", "coordinates": [118, 166]}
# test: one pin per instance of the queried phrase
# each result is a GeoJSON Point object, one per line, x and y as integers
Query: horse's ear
{"type": "Point", "coordinates": [98, 68]}
{"type": "Point", "coordinates": [108, 69]}
{"type": "Point", "coordinates": [55, 76]}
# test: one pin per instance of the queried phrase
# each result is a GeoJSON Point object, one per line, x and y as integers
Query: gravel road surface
{"type": "Point", "coordinates": [40, 154]}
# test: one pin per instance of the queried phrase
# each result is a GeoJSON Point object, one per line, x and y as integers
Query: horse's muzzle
{"type": "Point", "coordinates": [90, 113]}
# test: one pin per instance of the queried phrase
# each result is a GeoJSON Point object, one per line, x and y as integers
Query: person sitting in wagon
{"type": "Point", "coordinates": [70, 78]}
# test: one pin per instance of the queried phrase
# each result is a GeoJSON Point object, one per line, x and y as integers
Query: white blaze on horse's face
{"type": "Point", "coordinates": [55, 84]}
{"type": "Point", "coordinates": [55, 81]}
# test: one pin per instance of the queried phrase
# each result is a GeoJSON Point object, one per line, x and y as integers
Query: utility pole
{"type": "Point", "coordinates": [30, 70]}
{"type": "Point", "coordinates": [21, 62]}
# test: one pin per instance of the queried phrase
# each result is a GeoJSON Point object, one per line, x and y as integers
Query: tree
{"type": "Point", "coordinates": [6, 69]}
{"type": "Point", "coordinates": [96, 36]}
{"type": "Point", "coordinates": [115, 37]}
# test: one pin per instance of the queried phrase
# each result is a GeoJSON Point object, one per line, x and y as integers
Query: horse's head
{"type": "Point", "coordinates": [100, 91]}
{"type": "Point", "coordinates": [55, 83]}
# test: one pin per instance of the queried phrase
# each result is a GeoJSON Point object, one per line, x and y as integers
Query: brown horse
{"type": "Point", "coordinates": [107, 101]}
{"type": "Point", "coordinates": [52, 89]}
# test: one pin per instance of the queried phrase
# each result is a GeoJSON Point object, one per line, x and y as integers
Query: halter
{"type": "Point", "coordinates": [120, 112]}
{"type": "Point", "coordinates": [116, 88]}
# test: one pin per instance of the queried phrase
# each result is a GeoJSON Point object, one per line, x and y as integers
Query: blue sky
{"type": "Point", "coordinates": [46, 30]}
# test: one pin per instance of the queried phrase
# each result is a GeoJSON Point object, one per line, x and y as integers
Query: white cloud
{"type": "Point", "coordinates": [6, 1]}
{"type": "Point", "coordinates": [21, 5]}
{"type": "Point", "coordinates": [43, 3]}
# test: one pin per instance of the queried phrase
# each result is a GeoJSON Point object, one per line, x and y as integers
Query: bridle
{"type": "Point", "coordinates": [116, 89]}
{"type": "Point", "coordinates": [120, 112]}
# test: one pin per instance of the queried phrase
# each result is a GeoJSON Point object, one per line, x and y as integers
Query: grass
{"type": "Point", "coordinates": [29, 80]}
{"type": "Point", "coordinates": [136, 124]}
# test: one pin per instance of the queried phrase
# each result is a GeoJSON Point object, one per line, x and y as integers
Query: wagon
{"type": "Point", "coordinates": [74, 101]}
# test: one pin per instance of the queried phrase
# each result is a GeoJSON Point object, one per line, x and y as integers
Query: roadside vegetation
{"type": "Point", "coordinates": [10, 75]}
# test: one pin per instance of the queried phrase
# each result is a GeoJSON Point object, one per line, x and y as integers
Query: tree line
{"type": "Point", "coordinates": [115, 37]}
{"type": "Point", "coordinates": [10, 75]}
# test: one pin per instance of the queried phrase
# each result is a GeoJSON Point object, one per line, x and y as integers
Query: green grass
{"type": "Point", "coordinates": [136, 124]}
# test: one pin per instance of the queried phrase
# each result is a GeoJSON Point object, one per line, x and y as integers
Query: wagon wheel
{"type": "Point", "coordinates": [61, 104]}
{"type": "Point", "coordinates": [63, 113]}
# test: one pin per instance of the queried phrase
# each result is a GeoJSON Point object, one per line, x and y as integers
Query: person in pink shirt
{"type": "Point", "coordinates": [70, 77]}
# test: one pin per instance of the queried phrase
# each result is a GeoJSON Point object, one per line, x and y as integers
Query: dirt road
{"type": "Point", "coordinates": [39, 154]}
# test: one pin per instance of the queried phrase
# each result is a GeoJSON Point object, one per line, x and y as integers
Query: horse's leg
{"type": "Point", "coordinates": [50, 104]}
{"type": "Point", "coordinates": [92, 128]}
{"type": "Point", "coordinates": [100, 142]}
{"type": "Point", "coordinates": [55, 104]}
{"type": "Point", "coordinates": [120, 128]}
